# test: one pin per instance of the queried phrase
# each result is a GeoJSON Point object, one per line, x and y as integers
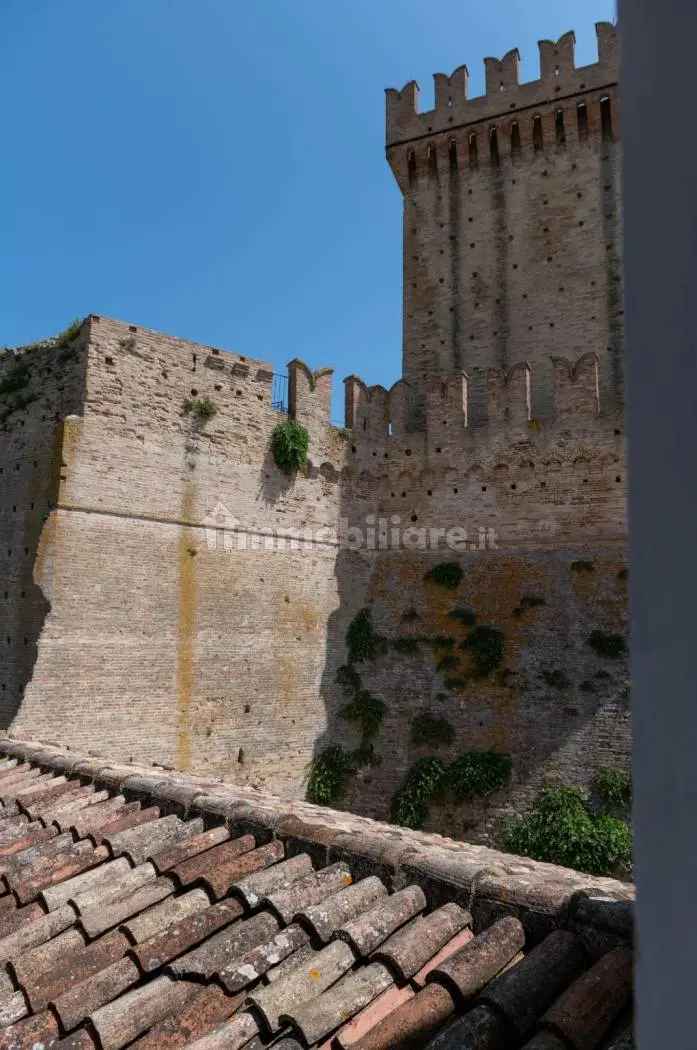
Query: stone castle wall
{"type": "Point", "coordinates": [148, 611]}
{"type": "Point", "coordinates": [512, 218]}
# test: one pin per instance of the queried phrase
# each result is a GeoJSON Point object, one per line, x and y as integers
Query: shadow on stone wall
{"type": "Point", "coordinates": [559, 709]}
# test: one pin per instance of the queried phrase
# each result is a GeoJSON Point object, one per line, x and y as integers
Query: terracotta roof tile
{"type": "Point", "coordinates": [259, 960]}
{"type": "Point", "coordinates": [156, 919]}
{"type": "Point", "coordinates": [584, 1012]}
{"type": "Point", "coordinates": [97, 920]}
{"type": "Point", "coordinates": [522, 993]}
{"type": "Point", "coordinates": [184, 934]}
{"type": "Point", "coordinates": [220, 878]}
{"type": "Point", "coordinates": [127, 1017]}
{"type": "Point", "coordinates": [93, 817]}
{"type": "Point", "coordinates": [252, 888]}
{"type": "Point", "coordinates": [124, 819]}
{"type": "Point", "coordinates": [73, 968]}
{"type": "Point", "coordinates": [480, 1029]}
{"type": "Point", "coordinates": [467, 971]}
{"type": "Point", "coordinates": [192, 847]}
{"type": "Point", "coordinates": [132, 928]}
{"type": "Point", "coordinates": [143, 842]}
{"type": "Point", "coordinates": [306, 982]}
{"type": "Point", "coordinates": [309, 890]}
{"type": "Point", "coordinates": [79, 1001]}
{"type": "Point", "coordinates": [32, 964]}
{"type": "Point", "coordinates": [339, 908]}
{"type": "Point", "coordinates": [203, 1012]}
{"type": "Point", "coordinates": [226, 947]}
{"type": "Point", "coordinates": [230, 1035]}
{"type": "Point", "coordinates": [30, 1033]}
{"type": "Point", "coordinates": [373, 1018]}
{"type": "Point", "coordinates": [410, 1025]}
{"type": "Point", "coordinates": [319, 1016]}
{"type": "Point", "coordinates": [369, 931]}
{"type": "Point", "coordinates": [35, 932]}
{"type": "Point", "coordinates": [411, 947]}
{"type": "Point", "coordinates": [189, 871]}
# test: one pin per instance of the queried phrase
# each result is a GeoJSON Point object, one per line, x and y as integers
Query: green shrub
{"type": "Point", "coordinates": [348, 678]}
{"type": "Point", "coordinates": [477, 774]}
{"type": "Point", "coordinates": [614, 786]}
{"type": "Point", "coordinates": [561, 829]}
{"type": "Point", "coordinates": [428, 729]}
{"type": "Point", "coordinates": [611, 646]}
{"type": "Point", "coordinates": [16, 379]}
{"type": "Point", "coordinates": [406, 645]}
{"type": "Point", "coordinates": [362, 640]}
{"type": "Point", "coordinates": [327, 776]}
{"type": "Point", "coordinates": [556, 678]}
{"type": "Point", "coordinates": [486, 645]}
{"type": "Point", "coordinates": [202, 409]}
{"type": "Point", "coordinates": [582, 565]}
{"type": "Point", "coordinates": [447, 574]}
{"type": "Point", "coordinates": [409, 615]}
{"type": "Point", "coordinates": [367, 711]}
{"type": "Point", "coordinates": [421, 784]}
{"type": "Point", "coordinates": [289, 444]}
{"type": "Point", "coordinates": [464, 615]}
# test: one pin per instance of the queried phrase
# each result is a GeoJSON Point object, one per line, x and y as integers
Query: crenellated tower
{"type": "Point", "coordinates": [512, 223]}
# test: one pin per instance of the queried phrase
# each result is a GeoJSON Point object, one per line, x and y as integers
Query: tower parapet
{"type": "Point", "coordinates": [559, 77]}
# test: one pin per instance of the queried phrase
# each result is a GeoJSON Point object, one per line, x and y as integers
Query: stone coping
{"type": "Point", "coordinates": [488, 882]}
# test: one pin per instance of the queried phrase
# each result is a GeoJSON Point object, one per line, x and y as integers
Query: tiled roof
{"type": "Point", "coordinates": [131, 919]}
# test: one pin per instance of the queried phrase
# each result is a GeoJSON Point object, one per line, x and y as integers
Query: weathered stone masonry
{"type": "Point", "coordinates": [126, 624]}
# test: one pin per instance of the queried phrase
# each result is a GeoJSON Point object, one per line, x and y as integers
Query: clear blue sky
{"type": "Point", "coordinates": [215, 168]}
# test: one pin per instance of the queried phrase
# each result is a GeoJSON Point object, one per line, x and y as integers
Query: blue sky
{"type": "Point", "coordinates": [215, 168]}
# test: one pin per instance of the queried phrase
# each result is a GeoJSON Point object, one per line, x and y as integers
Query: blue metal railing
{"type": "Point", "coordinates": [279, 392]}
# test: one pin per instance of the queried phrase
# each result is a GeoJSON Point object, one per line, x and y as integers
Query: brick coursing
{"type": "Point", "coordinates": [142, 611]}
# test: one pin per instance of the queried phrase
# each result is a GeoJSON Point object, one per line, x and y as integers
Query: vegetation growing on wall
{"type": "Point", "coordinates": [477, 774]}
{"type": "Point", "coordinates": [486, 646]}
{"type": "Point", "coordinates": [15, 380]}
{"type": "Point", "coordinates": [431, 730]}
{"type": "Point", "coordinates": [363, 642]}
{"type": "Point", "coordinates": [556, 678]}
{"type": "Point", "coordinates": [463, 615]}
{"type": "Point", "coordinates": [473, 774]}
{"type": "Point", "coordinates": [202, 409]}
{"type": "Point", "coordinates": [446, 574]}
{"type": "Point", "coordinates": [327, 775]}
{"type": "Point", "coordinates": [582, 565]}
{"type": "Point", "coordinates": [367, 711]}
{"type": "Point", "coordinates": [614, 786]}
{"type": "Point", "coordinates": [608, 645]}
{"type": "Point", "coordinates": [289, 444]}
{"type": "Point", "coordinates": [562, 829]}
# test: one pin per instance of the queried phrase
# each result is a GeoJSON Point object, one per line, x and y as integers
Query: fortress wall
{"type": "Point", "coordinates": [171, 631]}
{"type": "Point", "coordinates": [513, 220]}
{"type": "Point", "coordinates": [38, 388]}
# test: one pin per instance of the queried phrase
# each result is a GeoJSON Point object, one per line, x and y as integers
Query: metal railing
{"type": "Point", "coordinates": [279, 392]}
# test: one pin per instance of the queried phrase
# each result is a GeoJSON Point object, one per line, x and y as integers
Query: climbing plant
{"type": "Point", "coordinates": [477, 774]}
{"type": "Point", "coordinates": [362, 640]}
{"type": "Point", "coordinates": [606, 644]}
{"type": "Point", "coordinates": [327, 775]}
{"type": "Point", "coordinates": [473, 774]}
{"type": "Point", "coordinates": [431, 730]}
{"type": "Point", "coordinates": [367, 711]}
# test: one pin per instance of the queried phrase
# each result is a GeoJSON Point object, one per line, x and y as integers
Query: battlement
{"type": "Point", "coordinates": [559, 79]}
{"type": "Point", "coordinates": [496, 399]}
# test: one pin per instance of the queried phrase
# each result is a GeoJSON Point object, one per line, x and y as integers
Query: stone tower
{"type": "Point", "coordinates": [512, 222]}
